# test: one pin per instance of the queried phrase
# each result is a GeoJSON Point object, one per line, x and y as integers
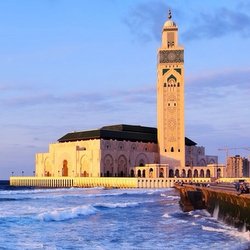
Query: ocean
{"type": "Point", "coordinates": [99, 218]}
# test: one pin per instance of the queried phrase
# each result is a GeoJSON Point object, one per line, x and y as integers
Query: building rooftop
{"type": "Point", "coordinates": [120, 132]}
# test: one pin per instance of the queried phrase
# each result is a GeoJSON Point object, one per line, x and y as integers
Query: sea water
{"type": "Point", "coordinates": [99, 218]}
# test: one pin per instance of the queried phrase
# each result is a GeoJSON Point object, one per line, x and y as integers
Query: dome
{"type": "Point", "coordinates": [169, 22]}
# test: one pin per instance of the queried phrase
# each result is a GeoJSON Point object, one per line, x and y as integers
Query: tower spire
{"type": "Point", "coordinates": [169, 14]}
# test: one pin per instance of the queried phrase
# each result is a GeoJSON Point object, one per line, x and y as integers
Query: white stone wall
{"type": "Point", "coordinates": [95, 158]}
{"type": "Point", "coordinates": [118, 158]}
{"type": "Point", "coordinates": [80, 158]}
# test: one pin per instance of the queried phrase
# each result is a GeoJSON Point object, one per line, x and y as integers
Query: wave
{"type": "Point", "coordinates": [14, 199]}
{"type": "Point", "coordinates": [67, 214]}
{"type": "Point", "coordinates": [116, 205]}
{"type": "Point", "coordinates": [199, 213]}
{"type": "Point", "coordinates": [166, 215]}
{"type": "Point", "coordinates": [72, 213]}
{"type": "Point", "coordinates": [173, 197]}
{"type": "Point", "coordinates": [212, 229]}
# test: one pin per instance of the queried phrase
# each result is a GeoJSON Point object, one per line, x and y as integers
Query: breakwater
{"type": "Point", "coordinates": [107, 182]}
{"type": "Point", "coordinates": [232, 208]}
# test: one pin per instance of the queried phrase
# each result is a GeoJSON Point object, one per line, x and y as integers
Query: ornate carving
{"type": "Point", "coordinates": [172, 138]}
{"type": "Point", "coordinates": [171, 123]}
{"type": "Point", "coordinates": [171, 56]}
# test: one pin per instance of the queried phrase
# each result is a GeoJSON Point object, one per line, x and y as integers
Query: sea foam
{"type": "Point", "coordinates": [116, 205]}
{"type": "Point", "coordinates": [67, 214]}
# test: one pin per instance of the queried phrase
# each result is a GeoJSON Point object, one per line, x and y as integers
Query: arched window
{"type": "Point", "coordinates": [151, 172]}
{"type": "Point", "coordinates": [139, 173]}
{"type": "Point", "coordinates": [132, 173]}
{"type": "Point", "coordinates": [202, 173]}
{"type": "Point", "coordinates": [171, 173]}
{"type": "Point", "coordinates": [208, 173]}
{"type": "Point", "coordinates": [172, 149]}
{"type": "Point", "coordinates": [218, 173]}
{"type": "Point", "coordinates": [177, 173]}
{"type": "Point", "coordinates": [183, 173]}
{"type": "Point", "coordinates": [143, 173]}
{"type": "Point", "coordinates": [189, 173]}
{"type": "Point", "coordinates": [161, 173]}
{"type": "Point", "coordinates": [65, 168]}
{"type": "Point", "coordinates": [195, 173]}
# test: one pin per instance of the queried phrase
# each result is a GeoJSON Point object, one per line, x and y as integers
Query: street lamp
{"type": "Point", "coordinates": [12, 173]}
{"type": "Point", "coordinates": [22, 173]}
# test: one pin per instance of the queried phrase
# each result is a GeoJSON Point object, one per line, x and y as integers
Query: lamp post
{"type": "Point", "coordinates": [22, 173]}
{"type": "Point", "coordinates": [12, 173]}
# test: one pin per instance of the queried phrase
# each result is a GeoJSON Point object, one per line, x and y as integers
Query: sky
{"type": "Point", "coordinates": [73, 65]}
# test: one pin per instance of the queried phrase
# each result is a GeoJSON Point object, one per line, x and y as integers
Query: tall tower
{"type": "Point", "coordinates": [170, 97]}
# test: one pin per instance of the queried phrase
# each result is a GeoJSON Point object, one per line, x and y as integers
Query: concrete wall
{"type": "Point", "coordinates": [109, 182]}
{"type": "Point", "coordinates": [228, 206]}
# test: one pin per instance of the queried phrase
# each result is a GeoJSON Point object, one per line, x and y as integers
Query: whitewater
{"type": "Point", "coordinates": [99, 218]}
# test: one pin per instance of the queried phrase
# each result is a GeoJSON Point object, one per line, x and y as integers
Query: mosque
{"type": "Point", "coordinates": [137, 151]}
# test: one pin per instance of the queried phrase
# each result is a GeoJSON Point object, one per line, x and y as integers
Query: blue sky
{"type": "Point", "coordinates": [70, 65]}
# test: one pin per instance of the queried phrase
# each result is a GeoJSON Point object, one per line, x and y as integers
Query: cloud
{"type": "Point", "coordinates": [35, 98]}
{"type": "Point", "coordinates": [221, 22]}
{"type": "Point", "coordinates": [220, 100]}
{"type": "Point", "coordinates": [145, 22]}
{"type": "Point", "coordinates": [222, 78]}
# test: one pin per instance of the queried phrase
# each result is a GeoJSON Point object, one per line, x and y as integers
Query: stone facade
{"type": "Point", "coordinates": [170, 98]}
{"type": "Point", "coordinates": [95, 158]}
{"type": "Point", "coordinates": [195, 156]}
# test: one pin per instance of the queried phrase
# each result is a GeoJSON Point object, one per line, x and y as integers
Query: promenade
{"type": "Point", "coordinates": [222, 200]}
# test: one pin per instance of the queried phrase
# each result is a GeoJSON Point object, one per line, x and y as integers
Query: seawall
{"type": "Point", "coordinates": [107, 182]}
{"type": "Point", "coordinates": [228, 206]}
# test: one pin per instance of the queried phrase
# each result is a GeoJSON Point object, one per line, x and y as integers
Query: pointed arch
{"type": "Point", "coordinates": [141, 160]}
{"type": "Point", "coordinates": [171, 173]}
{"type": "Point", "coordinates": [65, 169]}
{"type": "Point", "coordinates": [177, 173]}
{"type": "Point", "coordinates": [171, 77]}
{"type": "Point", "coordinates": [196, 173]}
{"type": "Point", "coordinates": [208, 173]}
{"type": "Point", "coordinates": [122, 166]}
{"type": "Point", "coordinates": [108, 165]}
{"type": "Point", "coordinates": [202, 173]}
{"type": "Point", "coordinates": [183, 173]}
{"type": "Point", "coordinates": [84, 166]}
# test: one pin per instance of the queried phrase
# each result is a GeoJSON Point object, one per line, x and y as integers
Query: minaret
{"type": "Point", "coordinates": [170, 97]}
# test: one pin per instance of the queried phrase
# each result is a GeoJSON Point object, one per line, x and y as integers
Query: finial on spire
{"type": "Point", "coordinates": [169, 14]}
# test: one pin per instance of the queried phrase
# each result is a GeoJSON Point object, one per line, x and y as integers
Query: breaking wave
{"type": "Point", "coordinates": [67, 214]}
{"type": "Point", "coordinates": [116, 205]}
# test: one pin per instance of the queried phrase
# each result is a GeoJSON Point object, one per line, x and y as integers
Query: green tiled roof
{"type": "Point", "coordinates": [121, 132]}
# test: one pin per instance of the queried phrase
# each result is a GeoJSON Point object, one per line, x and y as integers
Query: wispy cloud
{"type": "Point", "coordinates": [35, 98]}
{"type": "Point", "coordinates": [145, 22]}
{"type": "Point", "coordinates": [220, 100]}
{"type": "Point", "coordinates": [219, 23]}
